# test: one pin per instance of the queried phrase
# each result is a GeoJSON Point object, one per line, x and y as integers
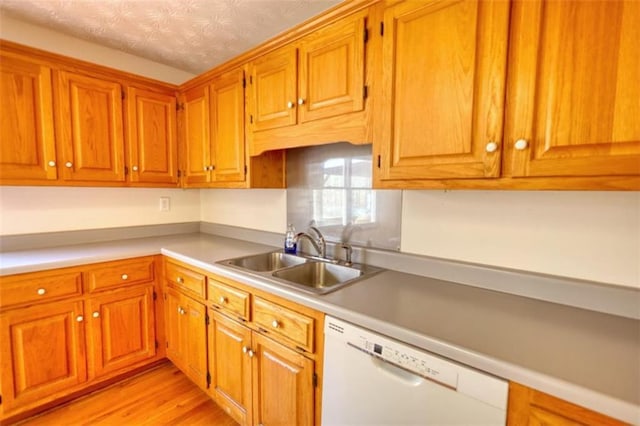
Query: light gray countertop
{"type": "Point", "coordinates": [587, 357]}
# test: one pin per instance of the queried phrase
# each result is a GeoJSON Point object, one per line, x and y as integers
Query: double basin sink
{"type": "Point", "coordinates": [311, 274]}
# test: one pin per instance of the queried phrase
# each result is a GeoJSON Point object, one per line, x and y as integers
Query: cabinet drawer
{"type": "Point", "coordinates": [186, 279]}
{"type": "Point", "coordinates": [229, 299]}
{"type": "Point", "coordinates": [120, 273]}
{"type": "Point", "coordinates": [39, 287]}
{"type": "Point", "coordinates": [288, 325]}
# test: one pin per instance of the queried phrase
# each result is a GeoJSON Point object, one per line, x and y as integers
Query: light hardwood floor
{"type": "Point", "coordinates": [161, 396]}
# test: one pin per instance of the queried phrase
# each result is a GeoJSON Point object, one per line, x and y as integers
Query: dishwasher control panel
{"type": "Point", "coordinates": [396, 353]}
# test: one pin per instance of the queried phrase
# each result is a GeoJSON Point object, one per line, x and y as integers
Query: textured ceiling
{"type": "Point", "coordinates": [191, 35]}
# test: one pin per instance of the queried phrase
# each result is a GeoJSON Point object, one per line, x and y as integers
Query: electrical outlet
{"type": "Point", "coordinates": [165, 204]}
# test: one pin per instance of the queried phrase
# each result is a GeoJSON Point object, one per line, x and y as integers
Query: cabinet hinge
{"type": "Point", "coordinates": [244, 82]}
{"type": "Point", "coordinates": [315, 380]}
{"type": "Point", "coordinates": [365, 92]}
{"type": "Point", "coordinates": [126, 170]}
{"type": "Point", "coordinates": [378, 161]}
{"type": "Point", "coordinates": [381, 28]}
{"type": "Point", "coordinates": [157, 344]}
{"type": "Point", "coordinates": [366, 35]}
{"type": "Point", "coordinates": [155, 296]}
{"type": "Point", "coordinates": [206, 319]}
{"type": "Point", "coordinates": [179, 107]}
{"type": "Point", "coordinates": [251, 118]}
{"type": "Point", "coordinates": [208, 379]}
{"type": "Point", "coordinates": [122, 94]}
{"type": "Point", "coordinates": [167, 345]}
{"type": "Point", "coordinates": [245, 169]}
{"type": "Point", "coordinates": [179, 173]}
{"type": "Point", "coordinates": [250, 79]}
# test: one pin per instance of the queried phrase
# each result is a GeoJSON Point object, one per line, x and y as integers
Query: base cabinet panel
{"type": "Point", "coordinates": [43, 352]}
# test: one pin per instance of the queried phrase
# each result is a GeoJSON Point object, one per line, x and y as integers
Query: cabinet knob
{"type": "Point", "coordinates": [41, 291]}
{"type": "Point", "coordinates": [222, 299]}
{"type": "Point", "coordinates": [521, 144]}
{"type": "Point", "coordinates": [300, 101]}
{"type": "Point", "coordinates": [245, 349]}
{"type": "Point", "coordinates": [206, 168]}
{"type": "Point", "coordinates": [290, 104]}
{"type": "Point", "coordinates": [79, 318]}
{"type": "Point", "coordinates": [96, 314]}
{"type": "Point", "coordinates": [491, 147]}
{"type": "Point", "coordinates": [275, 324]}
{"type": "Point", "coordinates": [68, 164]}
{"type": "Point", "coordinates": [212, 167]}
{"type": "Point", "coordinates": [180, 280]}
{"type": "Point", "coordinates": [134, 168]}
{"type": "Point", "coordinates": [52, 163]}
{"type": "Point", "coordinates": [125, 276]}
{"type": "Point", "coordinates": [250, 353]}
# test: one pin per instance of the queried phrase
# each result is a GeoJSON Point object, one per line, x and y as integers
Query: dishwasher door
{"type": "Point", "coordinates": [363, 385]}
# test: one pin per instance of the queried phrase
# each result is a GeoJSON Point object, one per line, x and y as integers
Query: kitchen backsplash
{"type": "Point", "coordinates": [331, 186]}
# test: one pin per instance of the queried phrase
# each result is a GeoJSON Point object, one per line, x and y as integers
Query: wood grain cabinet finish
{"type": "Point", "coordinates": [31, 288]}
{"type": "Point", "coordinates": [27, 151]}
{"type": "Point", "coordinates": [196, 130]}
{"type": "Point", "coordinates": [574, 89]}
{"type": "Point", "coordinates": [306, 92]}
{"type": "Point", "coordinates": [121, 329]}
{"type": "Point", "coordinates": [89, 128]}
{"type": "Point", "coordinates": [43, 352]}
{"type": "Point", "coordinates": [120, 273]}
{"type": "Point", "coordinates": [442, 75]}
{"type": "Point", "coordinates": [288, 325]}
{"type": "Point", "coordinates": [230, 300]}
{"type": "Point", "coordinates": [530, 407]}
{"type": "Point", "coordinates": [152, 144]}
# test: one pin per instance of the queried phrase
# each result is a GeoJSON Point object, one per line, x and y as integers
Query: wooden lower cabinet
{"type": "Point", "coordinates": [121, 330]}
{"type": "Point", "coordinates": [43, 352]}
{"type": "Point", "coordinates": [256, 379]}
{"type": "Point", "coordinates": [534, 408]}
{"type": "Point", "coordinates": [186, 333]}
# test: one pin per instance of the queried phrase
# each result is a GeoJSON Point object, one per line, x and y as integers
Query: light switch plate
{"type": "Point", "coordinates": [165, 204]}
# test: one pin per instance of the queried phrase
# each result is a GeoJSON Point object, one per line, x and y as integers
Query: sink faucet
{"type": "Point", "coordinates": [319, 244]}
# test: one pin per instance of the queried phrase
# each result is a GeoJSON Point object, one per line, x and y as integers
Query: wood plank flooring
{"type": "Point", "coordinates": [160, 396]}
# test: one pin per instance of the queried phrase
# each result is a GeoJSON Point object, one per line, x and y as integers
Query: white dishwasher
{"type": "Point", "coordinates": [370, 379]}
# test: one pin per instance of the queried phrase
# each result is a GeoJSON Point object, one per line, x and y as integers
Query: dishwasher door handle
{"type": "Point", "coordinates": [397, 373]}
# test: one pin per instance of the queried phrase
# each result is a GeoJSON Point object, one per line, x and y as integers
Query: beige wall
{"type": "Point", "coordinates": [28, 210]}
{"type": "Point", "coordinates": [263, 209]}
{"type": "Point", "coordinates": [52, 41]}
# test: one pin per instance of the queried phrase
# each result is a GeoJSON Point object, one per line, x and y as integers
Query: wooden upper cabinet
{"type": "Point", "coordinates": [331, 70]}
{"type": "Point", "coordinates": [227, 127]}
{"type": "Point", "coordinates": [196, 131]}
{"type": "Point", "coordinates": [574, 89]}
{"type": "Point", "coordinates": [89, 128]}
{"type": "Point", "coordinates": [152, 144]}
{"type": "Point", "coordinates": [27, 142]}
{"type": "Point", "coordinates": [442, 77]}
{"type": "Point", "coordinates": [273, 80]}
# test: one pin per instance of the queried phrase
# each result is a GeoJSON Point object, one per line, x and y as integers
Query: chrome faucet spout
{"type": "Point", "coordinates": [314, 243]}
{"type": "Point", "coordinates": [320, 241]}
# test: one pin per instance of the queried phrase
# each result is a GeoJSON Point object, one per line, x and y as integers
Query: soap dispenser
{"type": "Point", "coordinates": [290, 240]}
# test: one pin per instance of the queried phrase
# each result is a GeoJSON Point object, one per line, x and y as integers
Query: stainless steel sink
{"type": "Point", "coordinates": [311, 274]}
{"type": "Point", "coordinates": [318, 274]}
{"type": "Point", "coordinates": [266, 262]}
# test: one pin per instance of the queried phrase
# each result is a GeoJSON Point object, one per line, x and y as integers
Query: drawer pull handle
{"type": "Point", "coordinates": [79, 318]}
{"type": "Point", "coordinates": [96, 314]}
{"type": "Point", "coordinates": [125, 276]}
{"type": "Point", "coordinates": [41, 291]}
{"type": "Point", "coordinates": [275, 324]}
{"type": "Point", "coordinates": [222, 300]}
{"type": "Point", "coordinates": [180, 280]}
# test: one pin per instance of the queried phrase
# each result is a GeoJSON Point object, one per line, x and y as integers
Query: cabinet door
{"type": "Point", "coordinates": [230, 366]}
{"type": "Point", "coordinates": [331, 75]}
{"type": "Point", "coordinates": [195, 349]}
{"type": "Point", "coordinates": [89, 128]}
{"type": "Point", "coordinates": [121, 329]}
{"type": "Point", "coordinates": [282, 385]}
{"type": "Point", "coordinates": [175, 328]}
{"type": "Point", "coordinates": [152, 141]}
{"type": "Point", "coordinates": [574, 96]}
{"type": "Point", "coordinates": [273, 82]}
{"type": "Point", "coordinates": [27, 150]}
{"type": "Point", "coordinates": [443, 75]}
{"type": "Point", "coordinates": [197, 140]}
{"type": "Point", "coordinates": [42, 351]}
{"type": "Point", "coordinates": [227, 127]}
